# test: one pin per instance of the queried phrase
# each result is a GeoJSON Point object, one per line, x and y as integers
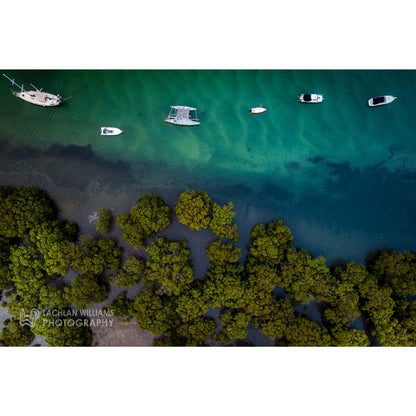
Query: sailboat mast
{"type": "Point", "coordinates": [14, 82]}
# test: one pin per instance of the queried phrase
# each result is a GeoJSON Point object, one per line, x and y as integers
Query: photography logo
{"type": "Point", "coordinates": [30, 319]}
{"type": "Point", "coordinates": [67, 317]}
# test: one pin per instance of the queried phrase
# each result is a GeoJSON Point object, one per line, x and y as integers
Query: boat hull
{"type": "Point", "coordinates": [313, 98]}
{"type": "Point", "coordinates": [257, 110]}
{"type": "Point", "coordinates": [110, 131]}
{"type": "Point", "coordinates": [43, 99]}
{"type": "Point", "coordinates": [387, 100]}
{"type": "Point", "coordinates": [183, 122]}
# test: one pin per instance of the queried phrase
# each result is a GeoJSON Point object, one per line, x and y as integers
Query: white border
{"type": "Point", "coordinates": [218, 35]}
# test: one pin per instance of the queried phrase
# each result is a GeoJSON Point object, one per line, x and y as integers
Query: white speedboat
{"type": "Point", "coordinates": [182, 115]}
{"type": "Point", "coordinates": [382, 100]}
{"type": "Point", "coordinates": [110, 131]}
{"type": "Point", "coordinates": [258, 110]}
{"type": "Point", "coordinates": [310, 98]}
{"type": "Point", "coordinates": [36, 96]}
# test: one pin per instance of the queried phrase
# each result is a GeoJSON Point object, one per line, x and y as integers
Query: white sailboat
{"type": "Point", "coordinates": [258, 110]}
{"type": "Point", "coordinates": [37, 97]}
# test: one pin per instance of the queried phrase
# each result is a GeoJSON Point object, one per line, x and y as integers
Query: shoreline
{"type": "Point", "coordinates": [77, 194]}
{"type": "Point", "coordinates": [85, 183]}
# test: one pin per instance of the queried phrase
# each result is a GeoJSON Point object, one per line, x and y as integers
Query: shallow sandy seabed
{"type": "Point", "coordinates": [122, 334]}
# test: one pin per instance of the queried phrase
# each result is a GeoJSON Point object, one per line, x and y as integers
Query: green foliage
{"type": "Point", "coordinates": [6, 279]}
{"type": "Point", "coordinates": [169, 268]}
{"type": "Point", "coordinates": [15, 335]}
{"type": "Point", "coordinates": [220, 253]}
{"type": "Point", "coordinates": [405, 312]}
{"type": "Point", "coordinates": [220, 338]}
{"type": "Point", "coordinates": [348, 337]}
{"type": "Point", "coordinates": [277, 319]}
{"type": "Point", "coordinates": [24, 303]}
{"type": "Point", "coordinates": [155, 313]}
{"type": "Point", "coordinates": [85, 290]}
{"type": "Point", "coordinates": [262, 277]}
{"type": "Point", "coordinates": [224, 286]}
{"type": "Point", "coordinates": [304, 278]}
{"type": "Point", "coordinates": [389, 322]}
{"type": "Point", "coordinates": [192, 303]}
{"type": "Point", "coordinates": [378, 301]}
{"type": "Point", "coordinates": [344, 300]}
{"type": "Point", "coordinates": [221, 222]}
{"type": "Point", "coordinates": [258, 303]}
{"type": "Point", "coordinates": [352, 276]}
{"type": "Point", "coordinates": [396, 270]}
{"type": "Point", "coordinates": [122, 306]}
{"type": "Point", "coordinates": [31, 283]}
{"type": "Point", "coordinates": [197, 331]}
{"type": "Point", "coordinates": [145, 220]}
{"type": "Point", "coordinates": [72, 337]}
{"type": "Point", "coordinates": [302, 332]}
{"type": "Point", "coordinates": [63, 335]}
{"type": "Point", "coordinates": [23, 208]}
{"type": "Point", "coordinates": [379, 305]}
{"type": "Point", "coordinates": [131, 273]}
{"type": "Point", "coordinates": [194, 209]}
{"type": "Point", "coordinates": [51, 239]}
{"type": "Point", "coordinates": [105, 221]}
{"type": "Point", "coordinates": [269, 244]}
{"type": "Point", "coordinates": [271, 315]}
{"type": "Point", "coordinates": [344, 310]}
{"type": "Point", "coordinates": [51, 298]}
{"type": "Point", "coordinates": [234, 323]}
{"type": "Point", "coordinates": [27, 270]}
{"type": "Point", "coordinates": [93, 255]}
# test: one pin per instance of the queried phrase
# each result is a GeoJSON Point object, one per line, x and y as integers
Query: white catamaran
{"type": "Point", "coordinates": [37, 97]}
{"type": "Point", "coordinates": [182, 115]}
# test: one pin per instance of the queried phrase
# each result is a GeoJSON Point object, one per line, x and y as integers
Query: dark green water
{"type": "Point", "coordinates": [340, 174]}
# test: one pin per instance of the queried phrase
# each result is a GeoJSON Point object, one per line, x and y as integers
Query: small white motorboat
{"type": "Point", "coordinates": [110, 131]}
{"type": "Point", "coordinates": [258, 110]}
{"type": "Point", "coordinates": [310, 98]}
{"type": "Point", "coordinates": [382, 100]}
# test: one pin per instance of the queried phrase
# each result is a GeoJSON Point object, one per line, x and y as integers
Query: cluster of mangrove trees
{"type": "Point", "coordinates": [46, 265]}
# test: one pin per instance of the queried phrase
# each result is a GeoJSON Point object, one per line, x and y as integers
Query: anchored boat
{"type": "Point", "coordinates": [258, 110]}
{"type": "Point", "coordinates": [310, 98]}
{"type": "Point", "coordinates": [382, 100]}
{"type": "Point", "coordinates": [37, 96]}
{"type": "Point", "coordinates": [110, 131]}
{"type": "Point", "coordinates": [182, 115]}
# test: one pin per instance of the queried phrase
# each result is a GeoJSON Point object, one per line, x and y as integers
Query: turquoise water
{"type": "Point", "coordinates": [340, 174]}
